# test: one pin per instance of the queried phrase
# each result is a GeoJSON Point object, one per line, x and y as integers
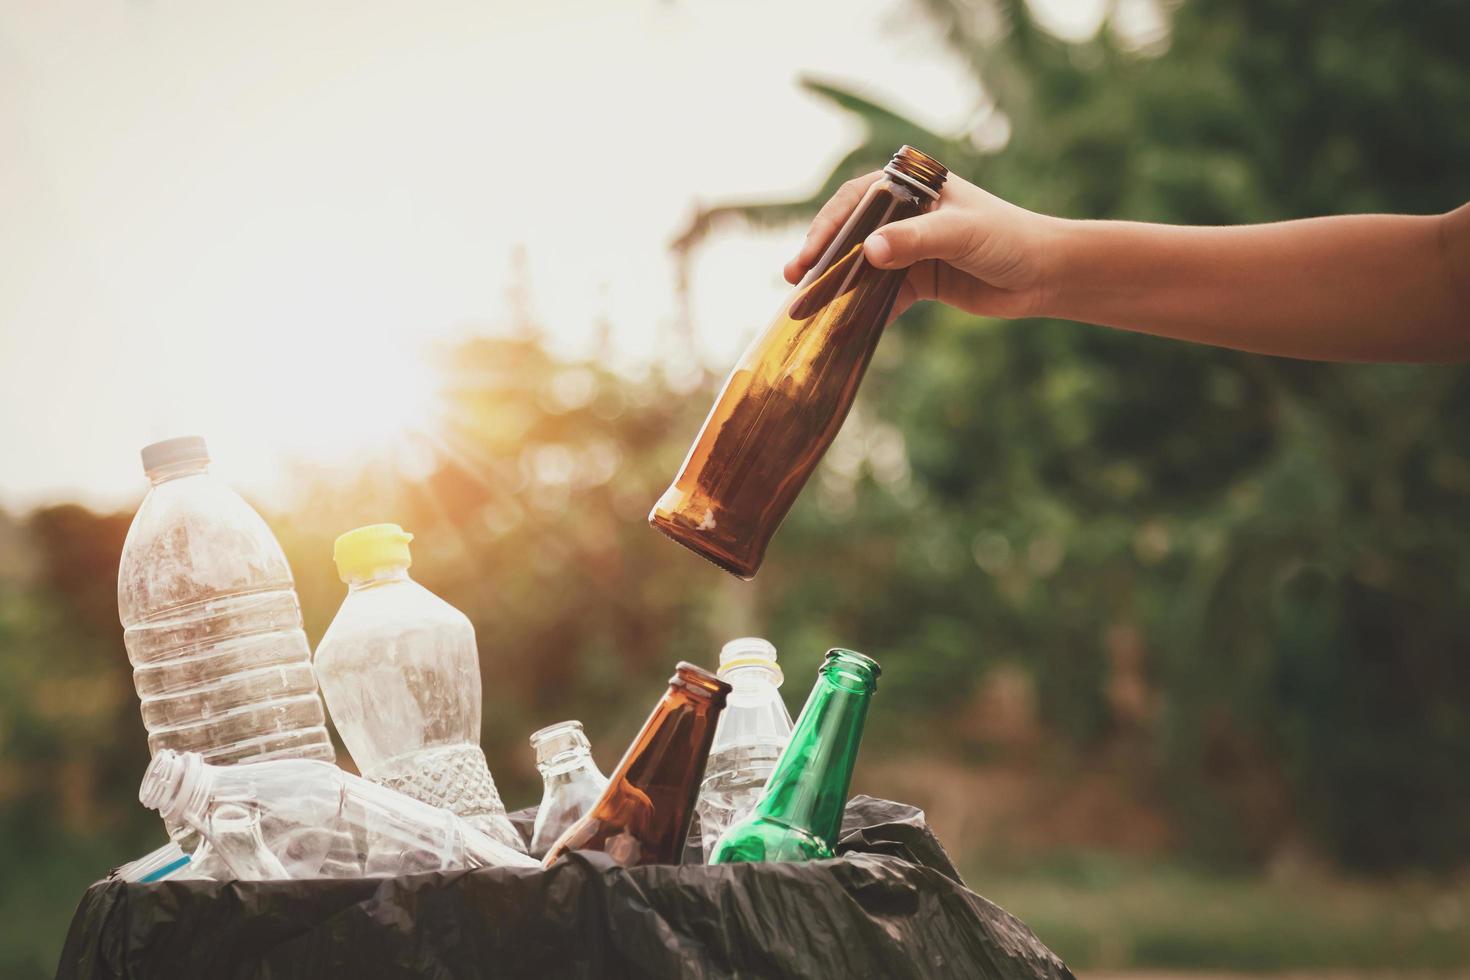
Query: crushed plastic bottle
{"type": "Point", "coordinates": [753, 730]}
{"type": "Point", "coordinates": [300, 811]}
{"type": "Point", "coordinates": [572, 782]}
{"type": "Point", "coordinates": [401, 676]}
{"type": "Point", "coordinates": [211, 621]}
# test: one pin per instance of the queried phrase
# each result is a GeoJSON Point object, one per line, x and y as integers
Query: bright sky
{"type": "Point", "coordinates": [242, 219]}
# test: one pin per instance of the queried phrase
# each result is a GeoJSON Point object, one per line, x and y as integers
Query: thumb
{"type": "Point", "coordinates": [943, 235]}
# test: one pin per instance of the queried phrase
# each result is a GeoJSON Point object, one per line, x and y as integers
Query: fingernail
{"type": "Point", "coordinates": [877, 248]}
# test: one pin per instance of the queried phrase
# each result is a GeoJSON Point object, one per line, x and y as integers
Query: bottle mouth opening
{"type": "Point", "coordinates": [560, 744]}
{"type": "Point", "coordinates": [163, 782]}
{"type": "Point", "coordinates": [697, 680]}
{"type": "Point", "coordinates": [855, 668]}
{"type": "Point", "coordinates": [746, 673]}
{"type": "Point", "coordinates": [234, 816]}
{"type": "Point", "coordinates": [554, 729]}
{"type": "Point", "coordinates": [748, 651]}
{"type": "Point", "coordinates": [918, 169]}
{"type": "Point", "coordinates": [747, 648]}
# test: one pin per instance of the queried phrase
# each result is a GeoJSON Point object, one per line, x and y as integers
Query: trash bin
{"type": "Point", "coordinates": [891, 905]}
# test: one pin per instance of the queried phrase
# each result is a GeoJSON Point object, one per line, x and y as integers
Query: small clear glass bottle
{"type": "Point", "coordinates": [234, 848]}
{"type": "Point", "coordinates": [572, 781]}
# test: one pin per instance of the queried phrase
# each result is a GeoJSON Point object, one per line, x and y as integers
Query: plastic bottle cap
{"type": "Point", "coordinates": [748, 651]}
{"type": "Point", "coordinates": [170, 452]}
{"type": "Point", "coordinates": [364, 550]}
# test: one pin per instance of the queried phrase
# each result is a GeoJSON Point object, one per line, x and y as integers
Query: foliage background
{"type": "Point", "coordinates": [1174, 639]}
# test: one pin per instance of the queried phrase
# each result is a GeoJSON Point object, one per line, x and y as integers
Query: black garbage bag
{"type": "Point", "coordinates": [891, 906]}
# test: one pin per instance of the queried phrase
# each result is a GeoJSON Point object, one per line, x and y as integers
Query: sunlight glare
{"type": "Point", "coordinates": [373, 402]}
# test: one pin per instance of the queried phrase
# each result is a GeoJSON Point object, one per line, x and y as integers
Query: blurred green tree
{"type": "Point", "coordinates": [1285, 541]}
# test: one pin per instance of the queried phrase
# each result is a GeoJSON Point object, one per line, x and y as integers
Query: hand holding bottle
{"type": "Point", "coordinates": [789, 393]}
{"type": "Point", "coordinates": [972, 250]}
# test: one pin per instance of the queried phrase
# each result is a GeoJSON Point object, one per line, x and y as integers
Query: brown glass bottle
{"type": "Point", "coordinates": [643, 815]}
{"type": "Point", "coordinates": [793, 387]}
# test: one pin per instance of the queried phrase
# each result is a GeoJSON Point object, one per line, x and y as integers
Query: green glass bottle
{"type": "Point", "coordinates": [800, 810]}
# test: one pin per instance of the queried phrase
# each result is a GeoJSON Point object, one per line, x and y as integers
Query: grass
{"type": "Point", "coordinates": [1103, 912]}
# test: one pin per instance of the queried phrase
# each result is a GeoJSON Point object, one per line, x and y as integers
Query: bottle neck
{"type": "Point", "coordinates": [808, 788]}
{"type": "Point", "coordinates": [568, 763]}
{"type": "Point", "coordinates": [909, 186]}
{"type": "Point", "coordinates": [673, 744]}
{"type": "Point", "coordinates": [562, 748]}
{"type": "Point", "coordinates": [582, 771]}
{"type": "Point", "coordinates": [178, 786]}
{"type": "Point", "coordinates": [173, 471]}
{"type": "Point", "coordinates": [378, 576]}
{"type": "Point", "coordinates": [751, 683]}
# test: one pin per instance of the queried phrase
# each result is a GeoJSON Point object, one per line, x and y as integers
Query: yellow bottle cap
{"type": "Point", "coordinates": [364, 550]}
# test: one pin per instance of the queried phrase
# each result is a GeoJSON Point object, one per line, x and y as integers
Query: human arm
{"type": "Point", "coordinates": [1346, 288]}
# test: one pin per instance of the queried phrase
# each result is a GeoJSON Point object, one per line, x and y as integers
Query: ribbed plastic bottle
{"type": "Point", "coordinates": [211, 621]}
{"type": "Point", "coordinates": [571, 781]}
{"type": "Point", "coordinates": [401, 674]}
{"type": "Point", "coordinates": [753, 729]}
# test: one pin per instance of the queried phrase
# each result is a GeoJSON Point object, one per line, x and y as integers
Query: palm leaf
{"type": "Point", "coordinates": [886, 131]}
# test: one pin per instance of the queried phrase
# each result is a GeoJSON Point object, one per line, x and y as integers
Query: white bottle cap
{"type": "Point", "coordinates": [749, 651]}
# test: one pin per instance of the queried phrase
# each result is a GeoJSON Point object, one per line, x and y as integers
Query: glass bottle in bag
{"type": "Point", "coordinates": [211, 621]}
{"type": "Point", "coordinates": [753, 729]}
{"type": "Point", "coordinates": [799, 814]}
{"type": "Point", "coordinates": [401, 675]}
{"type": "Point", "coordinates": [234, 848]}
{"type": "Point", "coordinates": [788, 395]}
{"type": "Point", "coordinates": [643, 815]}
{"type": "Point", "coordinates": [314, 819]}
{"type": "Point", "coordinates": [572, 783]}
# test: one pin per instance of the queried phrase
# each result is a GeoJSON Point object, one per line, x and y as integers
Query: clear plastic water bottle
{"type": "Point", "coordinates": [286, 817]}
{"type": "Point", "coordinates": [211, 621]}
{"type": "Point", "coordinates": [401, 676]}
{"type": "Point", "coordinates": [753, 730]}
{"type": "Point", "coordinates": [572, 782]}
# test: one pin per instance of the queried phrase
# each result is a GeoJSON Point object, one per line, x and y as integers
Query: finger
{"type": "Point", "coordinates": [828, 222]}
{"type": "Point", "coordinates": [907, 296]}
{"type": "Point", "coordinates": [945, 235]}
